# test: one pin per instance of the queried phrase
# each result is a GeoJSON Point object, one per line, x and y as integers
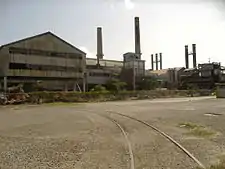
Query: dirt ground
{"type": "Point", "coordinates": [78, 136]}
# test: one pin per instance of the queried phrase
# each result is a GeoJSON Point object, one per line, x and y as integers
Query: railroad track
{"type": "Point", "coordinates": [165, 135]}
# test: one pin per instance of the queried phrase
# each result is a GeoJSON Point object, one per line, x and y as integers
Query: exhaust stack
{"type": "Point", "coordinates": [137, 37]}
{"type": "Point", "coordinates": [156, 61]}
{"type": "Point", "coordinates": [160, 62]}
{"type": "Point", "coordinates": [194, 55]}
{"type": "Point", "coordinates": [152, 60]}
{"type": "Point", "coordinates": [99, 45]}
{"type": "Point", "coordinates": [186, 57]}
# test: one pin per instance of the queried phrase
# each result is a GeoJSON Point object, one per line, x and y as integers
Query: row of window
{"type": "Point", "coordinates": [43, 67]}
{"type": "Point", "coordinates": [25, 51]}
{"type": "Point", "coordinates": [99, 74]}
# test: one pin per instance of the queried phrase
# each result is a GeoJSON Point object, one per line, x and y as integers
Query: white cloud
{"type": "Point", "coordinates": [129, 4]}
{"type": "Point", "coordinates": [89, 54]}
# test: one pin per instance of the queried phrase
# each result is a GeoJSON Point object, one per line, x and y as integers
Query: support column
{"type": "Point", "coordinates": [5, 84]}
{"type": "Point", "coordinates": [66, 87]}
{"type": "Point", "coordinates": [75, 86]}
{"type": "Point", "coordinates": [84, 82]}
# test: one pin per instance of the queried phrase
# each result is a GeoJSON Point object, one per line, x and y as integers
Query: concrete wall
{"type": "Point", "coordinates": [4, 62]}
{"type": "Point", "coordinates": [220, 92]}
{"type": "Point", "coordinates": [96, 76]}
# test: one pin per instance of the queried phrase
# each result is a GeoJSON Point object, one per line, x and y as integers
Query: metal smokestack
{"type": "Point", "coordinates": [137, 37]}
{"type": "Point", "coordinates": [186, 57]}
{"type": "Point", "coordinates": [99, 44]}
{"type": "Point", "coordinates": [160, 56]}
{"type": "Point", "coordinates": [156, 61]}
{"type": "Point", "coordinates": [194, 55]}
{"type": "Point", "coordinates": [152, 60]}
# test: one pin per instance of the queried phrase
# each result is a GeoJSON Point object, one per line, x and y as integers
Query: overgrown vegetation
{"type": "Point", "coordinates": [220, 165]}
{"type": "Point", "coordinates": [116, 85]}
{"type": "Point", "coordinates": [98, 88]}
{"type": "Point", "coordinates": [99, 94]}
{"type": "Point", "coordinates": [149, 83]}
{"type": "Point", "coordinates": [197, 130]}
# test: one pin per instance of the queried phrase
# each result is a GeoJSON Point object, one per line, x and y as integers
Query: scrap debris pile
{"type": "Point", "coordinates": [14, 95]}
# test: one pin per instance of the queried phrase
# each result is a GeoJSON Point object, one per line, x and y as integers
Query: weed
{"type": "Point", "coordinates": [188, 125]}
{"type": "Point", "coordinates": [197, 130]}
{"type": "Point", "coordinates": [220, 165]}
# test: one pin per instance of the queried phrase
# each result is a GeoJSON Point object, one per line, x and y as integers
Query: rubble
{"type": "Point", "coordinates": [14, 95]}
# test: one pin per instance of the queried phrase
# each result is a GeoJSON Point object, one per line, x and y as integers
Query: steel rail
{"type": "Point", "coordinates": [166, 136]}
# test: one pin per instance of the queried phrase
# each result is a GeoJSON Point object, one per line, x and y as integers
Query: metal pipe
{"type": "Point", "coordinates": [194, 55]}
{"type": "Point", "coordinates": [186, 57]}
{"type": "Point", "coordinates": [156, 61]}
{"type": "Point", "coordinates": [160, 56]}
{"type": "Point", "coordinates": [152, 61]}
{"type": "Point", "coordinates": [5, 84]}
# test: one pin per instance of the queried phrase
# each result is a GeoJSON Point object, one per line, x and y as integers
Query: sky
{"type": "Point", "coordinates": [166, 26]}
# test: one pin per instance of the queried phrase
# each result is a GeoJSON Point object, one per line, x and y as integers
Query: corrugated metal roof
{"type": "Point", "coordinates": [44, 34]}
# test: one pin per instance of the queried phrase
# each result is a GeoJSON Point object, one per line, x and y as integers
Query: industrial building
{"type": "Point", "coordinates": [44, 58]}
{"type": "Point", "coordinates": [55, 64]}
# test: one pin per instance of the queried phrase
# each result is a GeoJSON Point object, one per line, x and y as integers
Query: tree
{"type": "Point", "coordinates": [115, 85]}
{"type": "Point", "coordinates": [98, 88]}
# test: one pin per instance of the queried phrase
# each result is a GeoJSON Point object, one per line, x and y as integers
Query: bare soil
{"type": "Point", "coordinates": [77, 136]}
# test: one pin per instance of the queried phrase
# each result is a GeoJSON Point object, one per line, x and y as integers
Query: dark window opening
{"type": "Point", "coordinates": [25, 51]}
{"type": "Point", "coordinates": [43, 67]}
{"type": "Point", "coordinates": [99, 74]}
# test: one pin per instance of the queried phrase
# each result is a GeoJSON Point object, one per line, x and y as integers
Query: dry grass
{"type": "Point", "coordinates": [221, 165]}
{"type": "Point", "coordinates": [197, 130]}
{"type": "Point", "coordinates": [61, 104]}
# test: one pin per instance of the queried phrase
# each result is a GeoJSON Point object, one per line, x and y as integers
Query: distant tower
{"type": "Point", "coordinates": [137, 37]}
{"type": "Point", "coordinates": [160, 62]}
{"type": "Point", "coordinates": [194, 55]}
{"type": "Point", "coordinates": [186, 57]}
{"type": "Point", "coordinates": [156, 61]}
{"type": "Point", "coordinates": [152, 60]}
{"type": "Point", "coordinates": [99, 43]}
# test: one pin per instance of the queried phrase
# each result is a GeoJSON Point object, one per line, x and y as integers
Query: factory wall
{"type": "Point", "coordinates": [98, 76]}
{"type": "Point", "coordinates": [43, 56]}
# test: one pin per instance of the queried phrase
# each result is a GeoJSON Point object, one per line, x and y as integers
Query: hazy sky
{"type": "Point", "coordinates": [166, 26]}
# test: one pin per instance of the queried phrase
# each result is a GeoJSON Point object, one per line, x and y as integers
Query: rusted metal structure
{"type": "Point", "coordinates": [44, 57]}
